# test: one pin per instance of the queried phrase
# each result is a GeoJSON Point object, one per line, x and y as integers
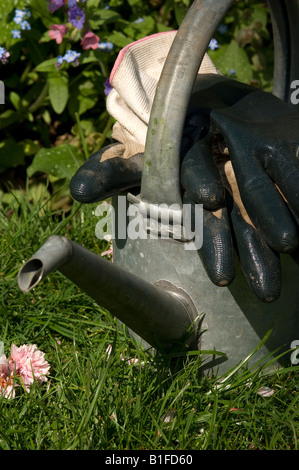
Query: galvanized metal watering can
{"type": "Point", "coordinates": [156, 286]}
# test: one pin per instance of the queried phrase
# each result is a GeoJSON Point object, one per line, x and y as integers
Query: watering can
{"type": "Point", "coordinates": [156, 287]}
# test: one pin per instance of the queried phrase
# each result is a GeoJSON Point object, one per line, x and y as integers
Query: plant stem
{"type": "Point", "coordinates": [40, 99]}
{"type": "Point", "coordinates": [166, 9]}
{"type": "Point", "coordinates": [108, 126]}
{"type": "Point", "coordinates": [82, 135]}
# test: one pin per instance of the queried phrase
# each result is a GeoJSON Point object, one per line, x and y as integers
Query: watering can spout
{"type": "Point", "coordinates": [162, 315]}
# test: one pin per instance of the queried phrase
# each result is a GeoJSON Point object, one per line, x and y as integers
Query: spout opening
{"type": "Point", "coordinates": [30, 274]}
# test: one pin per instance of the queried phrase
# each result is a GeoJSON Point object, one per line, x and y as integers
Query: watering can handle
{"type": "Point", "coordinates": [160, 177]}
{"type": "Point", "coordinates": [285, 16]}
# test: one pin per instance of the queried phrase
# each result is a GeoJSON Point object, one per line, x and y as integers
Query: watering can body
{"type": "Point", "coordinates": [233, 320]}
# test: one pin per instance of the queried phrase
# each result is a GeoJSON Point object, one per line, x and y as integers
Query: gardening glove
{"type": "Point", "coordinates": [261, 135]}
{"type": "Point", "coordinates": [134, 78]}
{"type": "Point", "coordinates": [229, 228]}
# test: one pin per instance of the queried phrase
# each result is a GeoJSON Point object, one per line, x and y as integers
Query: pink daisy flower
{"type": "Point", "coordinates": [7, 387]}
{"type": "Point", "coordinates": [30, 363]}
{"type": "Point", "coordinates": [6, 381]}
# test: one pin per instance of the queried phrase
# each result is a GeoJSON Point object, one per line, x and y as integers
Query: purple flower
{"type": "Point", "coordinates": [55, 5]}
{"type": "Point", "coordinates": [76, 17]}
{"type": "Point", "coordinates": [107, 87]}
{"type": "Point", "coordinates": [72, 3]}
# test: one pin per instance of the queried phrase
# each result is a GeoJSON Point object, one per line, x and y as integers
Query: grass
{"type": "Point", "coordinates": [97, 401]}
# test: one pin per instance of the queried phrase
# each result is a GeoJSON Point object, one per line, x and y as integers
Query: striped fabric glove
{"type": "Point", "coordinates": [134, 79]}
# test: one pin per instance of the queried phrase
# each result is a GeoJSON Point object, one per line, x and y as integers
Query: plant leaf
{"type": "Point", "coordinates": [60, 162]}
{"type": "Point", "coordinates": [58, 91]}
{"type": "Point", "coordinates": [47, 65]}
{"type": "Point", "coordinates": [232, 57]}
{"type": "Point", "coordinates": [11, 154]}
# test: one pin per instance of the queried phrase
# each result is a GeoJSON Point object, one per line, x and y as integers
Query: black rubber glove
{"type": "Point", "coordinates": [261, 133]}
{"type": "Point", "coordinates": [230, 228]}
{"type": "Point", "coordinates": [106, 173]}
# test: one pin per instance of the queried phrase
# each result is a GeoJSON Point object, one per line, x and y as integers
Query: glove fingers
{"type": "Point", "coordinates": [200, 176]}
{"type": "Point", "coordinates": [217, 250]}
{"type": "Point", "coordinates": [269, 213]}
{"type": "Point", "coordinates": [260, 264]}
{"type": "Point", "coordinates": [285, 173]}
{"type": "Point", "coordinates": [216, 253]}
{"type": "Point", "coordinates": [101, 177]}
{"type": "Point", "coordinates": [265, 205]}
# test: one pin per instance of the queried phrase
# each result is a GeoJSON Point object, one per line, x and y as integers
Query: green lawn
{"type": "Point", "coordinates": [100, 401]}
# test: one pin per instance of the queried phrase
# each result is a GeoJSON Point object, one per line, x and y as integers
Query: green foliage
{"type": "Point", "coordinates": [60, 162]}
{"type": "Point", "coordinates": [47, 105]}
{"type": "Point", "coordinates": [245, 49]}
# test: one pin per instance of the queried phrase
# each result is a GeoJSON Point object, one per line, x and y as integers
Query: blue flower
{"type": "Point", "coordinates": [222, 28]}
{"type": "Point", "coordinates": [25, 25]}
{"type": "Point", "coordinates": [4, 54]}
{"type": "Point", "coordinates": [76, 17]}
{"type": "Point", "coordinates": [16, 33]}
{"type": "Point", "coordinates": [19, 16]}
{"type": "Point", "coordinates": [20, 19]}
{"type": "Point", "coordinates": [232, 72]}
{"type": "Point", "coordinates": [105, 46]}
{"type": "Point", "coordinates": [72, 3]}
{"type": "Point", "coordinates": [139, 20]}
{"type": "Point", "coordinates": [213, 44]}
{"type": "Point", "coordinates": [70, 57]}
